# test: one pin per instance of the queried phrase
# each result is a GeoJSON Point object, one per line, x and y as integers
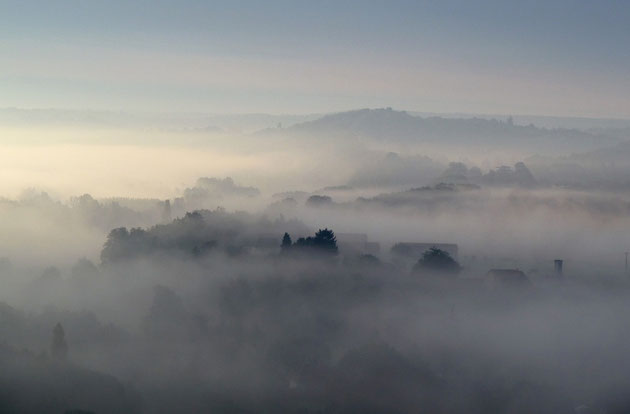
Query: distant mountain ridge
{"type": "Point", "coordinates": [400, 126]}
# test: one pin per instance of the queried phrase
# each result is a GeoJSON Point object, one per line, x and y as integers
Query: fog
{"type": "Point", "coordinates": [159, 263]}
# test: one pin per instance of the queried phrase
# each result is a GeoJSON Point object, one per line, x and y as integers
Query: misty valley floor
{"type": "Point", "coordinates": [211, 327]}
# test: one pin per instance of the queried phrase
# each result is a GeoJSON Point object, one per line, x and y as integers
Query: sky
{"type": "Point", "coordinates": [560, 58]}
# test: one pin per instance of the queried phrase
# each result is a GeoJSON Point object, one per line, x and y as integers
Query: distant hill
{"type": "Point", "coordinates": [388, 125]}
{"type": "Point", "coordinates": [603, 168]}
{"type": "Point", "coordinates": [543, 121]}
{"type": "Point", "coordinates": [618, 155]}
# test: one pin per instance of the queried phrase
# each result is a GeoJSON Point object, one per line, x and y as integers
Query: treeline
{"type": "Point", "coordinates": [197, 234]}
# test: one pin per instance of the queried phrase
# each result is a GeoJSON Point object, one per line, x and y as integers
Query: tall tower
{"type": "Point", "coordinates": [166, 212]}
{"type": "Point", "coordinates": [557, 267]}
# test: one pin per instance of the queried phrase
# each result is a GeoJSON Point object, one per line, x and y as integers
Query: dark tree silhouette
{"type": "Point", "coordinates": [436, 260]}
{"type": "Point", "coordinates": [115, 245]}
{"type": "Point", "coordinates": [286, 242]}
{"type": "Point", "coordinates": [324, 241]}
{"type": "Point", "coordinates": [58, 347]}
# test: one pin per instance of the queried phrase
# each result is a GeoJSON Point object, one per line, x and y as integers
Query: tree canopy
{"type": "Point", "coordinates": [436, 260]}
{"type": "Point", "coordinates": [324, 241]}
